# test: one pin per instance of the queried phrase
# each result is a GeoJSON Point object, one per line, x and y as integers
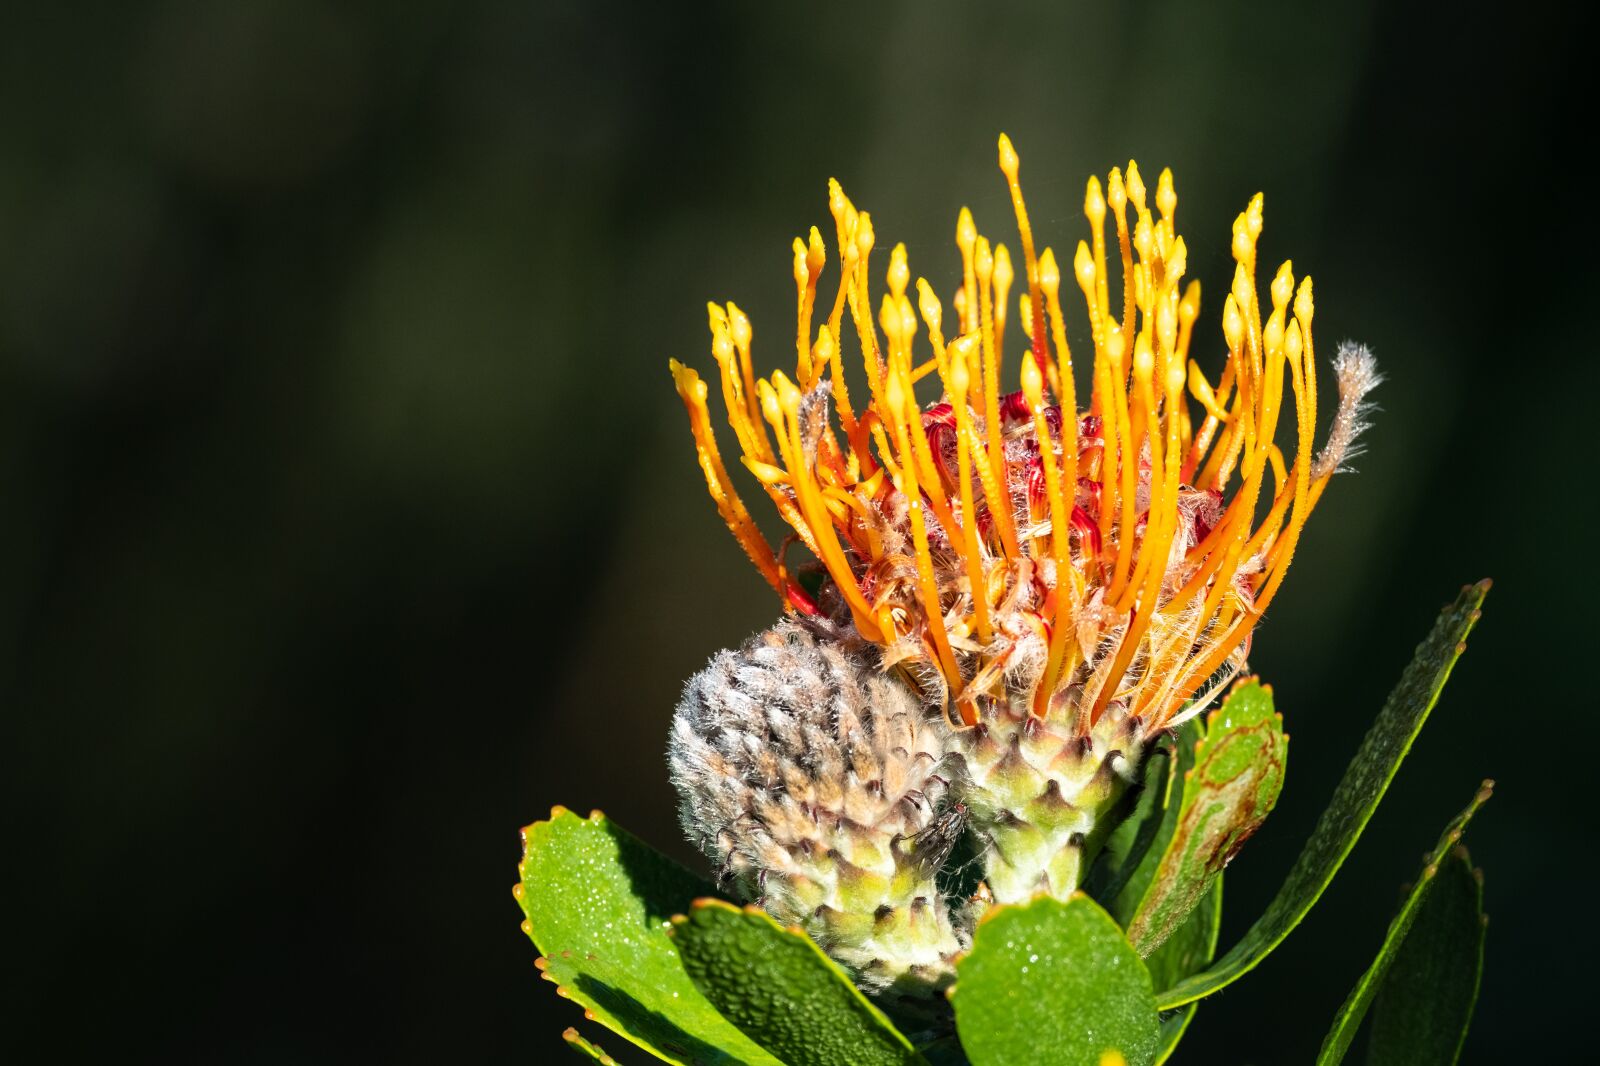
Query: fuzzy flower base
{"type": "Point", "coordinates": [815, 784]}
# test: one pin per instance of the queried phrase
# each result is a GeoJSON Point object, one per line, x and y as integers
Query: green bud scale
{"type": "Point", "coordinates": [1038, 797]}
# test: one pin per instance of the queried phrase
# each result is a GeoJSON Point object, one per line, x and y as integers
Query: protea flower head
{"type": "Point", "coordinates": [815, 783]}
{"type": "Point", "coordinates": [1056, 575]}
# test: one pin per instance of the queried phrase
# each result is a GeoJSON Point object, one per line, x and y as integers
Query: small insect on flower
{"type": "Point", "coordinates": [1052, 575]}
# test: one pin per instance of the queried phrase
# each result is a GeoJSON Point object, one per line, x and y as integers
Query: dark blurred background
{"type": "Point", "coordinates": [351, 521]}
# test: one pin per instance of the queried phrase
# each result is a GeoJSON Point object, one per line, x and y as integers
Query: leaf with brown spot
{"type": "Point", "coordinates": [1237, 775]}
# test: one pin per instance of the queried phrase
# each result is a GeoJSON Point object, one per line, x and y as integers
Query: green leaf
{"type": "Point", "coordinates": [778, 986]}
{"type": "Point", "coordinates": [1055, 982]}
{"type": "Point", "coordinates": [1133, 849]}
{"type": "Point", "coordinates": [1193, 946]}
{"type": "Point", "coordinates": [585, 1049]}
{"type": "Point", "coordinates": [1134, 819]}
{"type": "Point", "coordinates": [1133, 855]}
{"type": "Point", "coordinates": [1421, 1015]}
{"type": "Point", "coordinates": [1353, 802]}
{"type": "Point", "coordinates": [1190, 948]}
{"type": "Point", "coordinates": [597, 900]}
{"type": "Point", "coordinates": [1468, 929]}
{"type": "Point", "coordinates": [1237, 775]}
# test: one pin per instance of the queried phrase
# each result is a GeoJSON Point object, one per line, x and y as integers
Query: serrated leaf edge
{"type": "Point", "coordinates": [859, 998]}
{"type": "Point", "coordinates": [576, 1041]}
{"type": "Point", "coordinates": [541, 962]}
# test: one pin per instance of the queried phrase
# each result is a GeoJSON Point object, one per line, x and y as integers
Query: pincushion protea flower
{"type": "Point", "coordinates": [1057, 577]}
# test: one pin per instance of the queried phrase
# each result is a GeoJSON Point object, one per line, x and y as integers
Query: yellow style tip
{"type": "Point", "coordinates": [1049, 272]}
{"type": "Point", "coordinates": [738, 325]}
{"type": "Point", "coordinates": [1135, 185]}
{"type": "Point", "coordinates": [1116, 191]}
{"type": "Point", "coordinates": [1008, 157]}
{"type": "Point", "coordinates": [1094, 201]}
{"type": "Point", "coordinates": [1303, 304]}
{"type": "Point", "coordinates": [1166, 195]}
{"type": "Point", "coordinates": [816, 252]}
{"type": "Point", "coordinates": [966, 230]}
{"type": "Point", "coordinates": [1083, 265]}
{"type": "Point", "coordinates": [1283, 284]}
{"type": "Point", "coordinates": [864, 234]}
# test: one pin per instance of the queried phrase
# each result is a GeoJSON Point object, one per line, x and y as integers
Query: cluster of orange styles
{"type": "Point", "coordinates": [1006, 545]}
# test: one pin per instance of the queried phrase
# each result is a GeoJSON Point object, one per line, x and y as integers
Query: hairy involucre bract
{"type": "Point", "coordinates": [819, 787]}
